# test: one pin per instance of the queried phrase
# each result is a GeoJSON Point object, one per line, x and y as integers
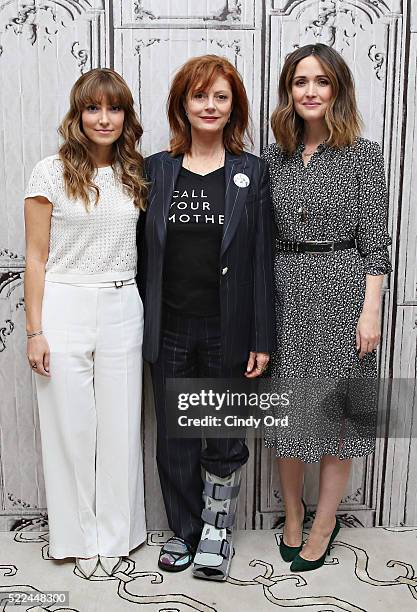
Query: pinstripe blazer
{"type": "Point", "coordinates": [245, 270]}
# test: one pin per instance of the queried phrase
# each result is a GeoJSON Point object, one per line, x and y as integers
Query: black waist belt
{"type": "Point", "coordinates": [315, 246]}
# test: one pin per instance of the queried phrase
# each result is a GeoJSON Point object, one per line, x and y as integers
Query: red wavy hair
{"type": "Point", "coordinates": [197, 74]}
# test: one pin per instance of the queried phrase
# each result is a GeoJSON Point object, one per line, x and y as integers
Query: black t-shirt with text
{"type": "Point", "coordinates": [194, 235]}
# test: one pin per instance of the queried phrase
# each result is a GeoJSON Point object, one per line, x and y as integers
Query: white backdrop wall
{"type": "Point", "coordinates": [46, 45]}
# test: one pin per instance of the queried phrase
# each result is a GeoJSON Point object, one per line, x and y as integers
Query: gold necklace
{"type": "Point", "coordinates": [305, 154]}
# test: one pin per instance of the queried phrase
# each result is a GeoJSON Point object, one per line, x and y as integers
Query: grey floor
{"type": "Point", "coordinates": [370, 570]}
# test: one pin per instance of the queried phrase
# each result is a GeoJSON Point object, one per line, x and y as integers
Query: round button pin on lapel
{"type": "Point", "coordinates": [241, 180]}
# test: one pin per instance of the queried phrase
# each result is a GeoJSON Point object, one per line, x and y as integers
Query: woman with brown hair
{"type": "Point", "coordinates": [85, 325]}
{"type": "Point", "coordinates": [208, 297]}
{"type": "Point", "coordinates": [330, 208]}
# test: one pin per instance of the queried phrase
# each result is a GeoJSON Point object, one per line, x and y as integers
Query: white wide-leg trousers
{"type": "Point", "coordinates": [90, 411]}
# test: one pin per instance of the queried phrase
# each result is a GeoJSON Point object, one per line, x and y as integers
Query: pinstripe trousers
{"type": "Point", "coordinates": [191, 347]}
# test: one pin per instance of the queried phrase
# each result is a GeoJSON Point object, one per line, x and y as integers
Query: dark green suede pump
{"type": "Point", "coordinates": [288, 553]}
{"type": "Point", "coordinates": [303, 565]}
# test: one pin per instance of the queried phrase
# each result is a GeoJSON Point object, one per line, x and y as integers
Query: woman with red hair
{"type": "Point", "coordinates": [208, 298]}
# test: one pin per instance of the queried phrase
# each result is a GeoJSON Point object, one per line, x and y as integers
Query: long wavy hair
{"type": "Point", "coordinates": [198, 73]}
{"type": "Point", "coordinates": [342, 116]}
{"type": "Point", "coordinates": [74, 153]}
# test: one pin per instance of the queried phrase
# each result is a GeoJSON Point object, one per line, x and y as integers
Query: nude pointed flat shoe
{"type": "Point", "coordinates": [110, 564]}
{"type": "Point", "coordinates": [87, 567]}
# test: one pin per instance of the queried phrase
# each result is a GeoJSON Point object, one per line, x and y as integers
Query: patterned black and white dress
{"type": "Point", "coordinates": [340, 194]}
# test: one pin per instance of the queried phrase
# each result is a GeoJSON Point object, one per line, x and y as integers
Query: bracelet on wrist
{"type": "Point", "coordinates": [38, 333]}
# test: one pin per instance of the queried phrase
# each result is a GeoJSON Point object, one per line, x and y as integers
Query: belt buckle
{"type": "Point", "coordinates": [322, 252]}
{"type": "Point", "coordinates": [118, 284]}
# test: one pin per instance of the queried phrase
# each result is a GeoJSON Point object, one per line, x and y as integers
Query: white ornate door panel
{"type": "Point", "coordinates": [407, 281]}
{"type": "Point", "coordinates": [354, 509]}
{"type": "Point", "coordinates": [183, 14]}
{"type": "Point", "coordinates": [21, 478]}
{"type": "Point", "coordinates": [44, 48]}
{"type": "Point", "coordinates": [399, 502]}
{"type": "Point", "coordinates": [149, 58]}
{"type": "Point", "coordinates": [368, 34]}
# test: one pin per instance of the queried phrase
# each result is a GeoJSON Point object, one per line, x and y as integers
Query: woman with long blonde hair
{"type": "Point", "coordinates": [330, 208]}
{"type": "Point", "coordinates": [85, 324]}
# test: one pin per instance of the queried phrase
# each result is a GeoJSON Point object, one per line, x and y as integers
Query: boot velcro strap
{"type": "Point", "coordinates": [216, 547]}
{"type": "Point", "coordinates": [220, 492]}
{"type": "Point", "coordinates": [220, 520]}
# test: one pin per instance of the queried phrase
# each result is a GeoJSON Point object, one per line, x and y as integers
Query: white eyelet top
{"type": "Point", "coordinates": [87, 246]}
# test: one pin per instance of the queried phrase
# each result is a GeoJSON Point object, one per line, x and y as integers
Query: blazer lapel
{"type": "Point", "coordinates": [170, 169]}
{"type": "Point", "coordinates": [235, 197]}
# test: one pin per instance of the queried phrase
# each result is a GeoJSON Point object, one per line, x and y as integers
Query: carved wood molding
{"type": "Point", "coordinates": [43, 21]}
{"type": "Point", "coordinates": [143, 43]}
{"type": "Point", "coordinates": [81, 55]}
{"type": "Point", "coordinates": [230, 12]}
{"type": "Point", "coordinates": [371, 8]}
